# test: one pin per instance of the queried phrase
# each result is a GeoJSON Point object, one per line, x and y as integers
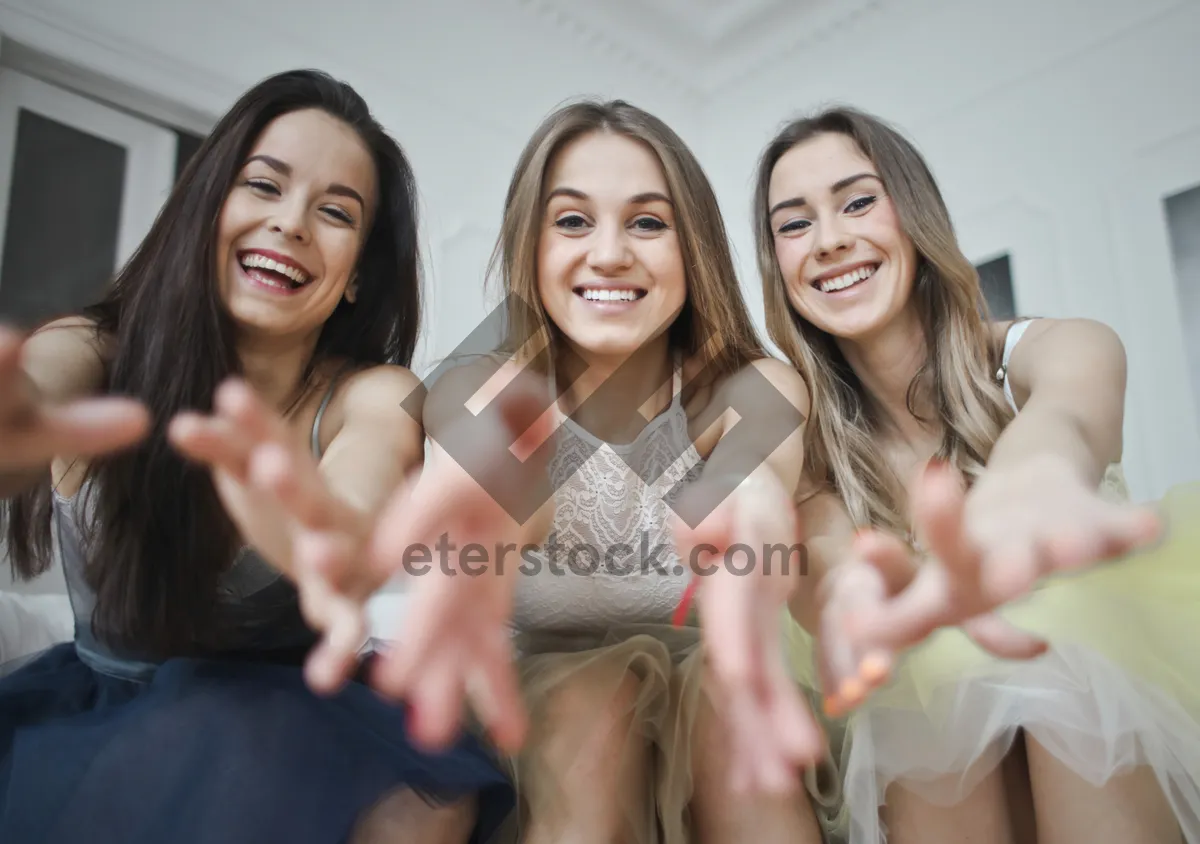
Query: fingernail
{"type": "Point", "coordinates": [851, 689]}
{"type": "Point", "coordinates": [875, 667]}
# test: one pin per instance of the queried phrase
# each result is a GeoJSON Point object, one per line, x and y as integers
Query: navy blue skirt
{"type": "Point", "coordinates": [213, 751]}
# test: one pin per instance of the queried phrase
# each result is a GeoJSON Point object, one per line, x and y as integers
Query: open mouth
{"type": "Point", "coordinates": [845, 280]}
{"type": "Point", "coordinates": [277, 272]}
{"type": "Point", "coordinates": [610, 294]}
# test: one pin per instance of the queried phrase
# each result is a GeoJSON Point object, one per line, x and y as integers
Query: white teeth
{"type": "Point", "coordinates": [253, 259]}
{"type": "Point", "coordinates": [841, 282]}
{"type": "Point", "coordinates": [593, 295]}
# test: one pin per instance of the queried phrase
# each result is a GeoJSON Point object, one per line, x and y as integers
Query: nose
{"type": "Point", "coordinates": [290, 221]}
{"type": "Point", "coordinates": [832, 239]}
{"type": "Point", "coordinates": [609, 252]}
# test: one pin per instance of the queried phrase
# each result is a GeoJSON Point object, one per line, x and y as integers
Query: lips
{"type": "Point", "coordinates": [274, 269]}
{"type": "Point", "coordinates": [610, 293]}
{"type": "Point", "coordinates": [845, 277]}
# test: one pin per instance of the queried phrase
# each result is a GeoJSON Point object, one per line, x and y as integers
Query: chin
{"type": "Point", "coordinates": [609, 343]}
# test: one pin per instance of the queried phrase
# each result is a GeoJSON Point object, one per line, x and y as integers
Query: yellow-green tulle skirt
{"type": "Point", "coordinates": [1118, 689]}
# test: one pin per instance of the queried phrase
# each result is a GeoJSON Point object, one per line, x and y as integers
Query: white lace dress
{"type": "Point", "coordinates": [599, 599]}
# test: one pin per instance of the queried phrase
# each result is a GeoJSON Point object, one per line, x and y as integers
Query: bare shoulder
{"type": "Point", "coordinates": [384, 393]}
{"type": "Point", "coordinates": [756, 387]}
{"type": "Point", "coordinates": [1066, 343]}
{"type": "Point", "coordinates": [469, 386]}
{"type": "Point", "coordinates": [374, 402]}
{"type": "Point", "coordinates": [384, 384]}
{"type": "Point", "coordinates": [1077, 331]}
{"type": "Point", "coordinates": [760, 383]}
{"type": "Point", "coordinates": [67, 358]}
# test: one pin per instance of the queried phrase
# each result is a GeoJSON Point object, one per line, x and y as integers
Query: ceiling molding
{"type": "Point", "coordinates": [700, 46]}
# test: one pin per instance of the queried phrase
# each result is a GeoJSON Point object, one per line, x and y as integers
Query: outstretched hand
{"type": "Point", "coordinates": [33, 431]}
{"type": "Point", "coordinates": [773, 734]}
{"type": "Point", "coordinates": [862, 587]}
{"type": "Point", "coordinates": [458, 534]}
{"type": "Point", "coordinates": [273, 489]}
{"type": "Point", "coordinates": [984, 548]}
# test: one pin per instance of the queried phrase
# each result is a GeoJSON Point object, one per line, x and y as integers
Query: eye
{"type": "Point", "coordinates": [262, 185]}
{"type": "Point", "coordinates": [650, 224]}
{"type": "Point", "coordinates": [860, 204]}
{"type": "Point", "coordinates": [339, 214]}
{"type": "Point", "coordinates": [571, 222]}
{"type": "Point", "coordinates": [793, 226]}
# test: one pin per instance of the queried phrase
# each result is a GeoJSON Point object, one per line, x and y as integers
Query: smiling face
{"type": "Point", "coordinates": [293, 225]}
{"type": "Point", "coordinates": [847, 264]}
{"type": "Point", "coordinates": [610, 269]}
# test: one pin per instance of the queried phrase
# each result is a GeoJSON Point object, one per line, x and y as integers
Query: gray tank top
{"type": "Point", "coordinates": [258, 609]}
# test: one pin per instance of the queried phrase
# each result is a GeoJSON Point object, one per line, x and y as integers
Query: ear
{"type": "Point", "coordinates": [351, 289]}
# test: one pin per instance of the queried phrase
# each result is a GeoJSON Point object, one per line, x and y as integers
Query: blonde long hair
{"type": "Point", "coordinates": [714, 325]}
{"type": "Point", "coordinates": [957, 377]}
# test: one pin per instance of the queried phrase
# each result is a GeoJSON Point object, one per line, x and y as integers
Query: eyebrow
{"type": "Point", "coordinates": [285, 169]}
{"type": "Point", "coordinates": [840, 184]}
{"type": "Point", "coordinates": [636, 199]}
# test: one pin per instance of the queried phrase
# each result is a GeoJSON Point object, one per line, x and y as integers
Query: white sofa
{"type": "Point", "coordinates": [33, 621]}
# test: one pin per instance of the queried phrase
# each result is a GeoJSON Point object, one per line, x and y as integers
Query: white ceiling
{"type": "Point", "coordinates": [703, 45]}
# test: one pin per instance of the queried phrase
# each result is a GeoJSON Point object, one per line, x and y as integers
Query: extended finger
{"type": "Point", "coordinates": [1000, 638]}
{"type": "Point", "coordinates": [437, 697]}
{"type": "Point", "coordinates": [939, 508]}
{"type": "Point", "coordinates": [889, 556]}
{"type": "Point", "coordinates": [96, 426]}
{"type": "Point", "coordinates": [799, 735]}
{"type": "Point", "coordinates": [213, 441]}
{"type": "Point", "coordinates": [728, 621]}
{"type": "Point", "coordinates": [905, 619]}
{"type": "Point", "coordinates": [238, 400]}
{"type": "Point", "coordinates": [838, 651]}
{"type": "Point", "coordinates": [496, 696]}
{"type": "Point", "coordinates": [332, 662]}
{"type": "Point", "coordinates": [394, 672]}
{"type": "Point", "coordinates": [296, 483]}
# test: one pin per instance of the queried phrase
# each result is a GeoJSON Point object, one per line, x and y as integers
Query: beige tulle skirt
{"type": "Point", "coordinates": [647, 678]}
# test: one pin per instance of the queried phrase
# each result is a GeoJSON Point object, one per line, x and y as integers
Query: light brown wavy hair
{"type": "Point", "coordinates": [714, 326]}
{"type": "Point", "coordinates": [958, 376]}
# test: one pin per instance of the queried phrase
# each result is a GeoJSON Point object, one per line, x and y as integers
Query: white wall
{"type": "Point", "coordinates": [1054, 127]}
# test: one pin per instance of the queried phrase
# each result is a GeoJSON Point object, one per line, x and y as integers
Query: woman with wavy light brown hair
{"type": "Point", "coordinates": [622, 297]}
{"type": "Point", "coordinates": [972, 457]}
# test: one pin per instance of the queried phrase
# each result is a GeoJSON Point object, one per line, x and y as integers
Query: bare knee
{"type": "Point", "coordinates": [591, 714]}
{"type": "Point", "coordinates": [1130, 807]}
{"type": "Point", "coordinates": [719, 815]}
{"type": "Point", "coordinates": [402, 817]}
{"type": "Point", "coordinates": [587, 762]}
{"type": "Point", "coordinates": [912, 817]}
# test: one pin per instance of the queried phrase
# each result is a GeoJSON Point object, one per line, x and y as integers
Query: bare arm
{"type": "Point", "coordinates": [467, 416]}
{"type": "Point", "coordinates": [379, 442]}
{"type": "Point", "coordinates": [762, 440]}
{"type": "Point", "coordinates": [1068, 377]}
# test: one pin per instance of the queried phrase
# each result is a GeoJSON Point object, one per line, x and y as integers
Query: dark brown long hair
{"type": "Point", "coordinates": [160, 537]}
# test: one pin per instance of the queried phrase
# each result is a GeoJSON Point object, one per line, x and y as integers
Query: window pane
{"type": "Point", "coordinates": [1183, 222]}
{"type": "Point", "coordinates": [996, 278]}
{"type": "Point", "coordinates": [64, 211]}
